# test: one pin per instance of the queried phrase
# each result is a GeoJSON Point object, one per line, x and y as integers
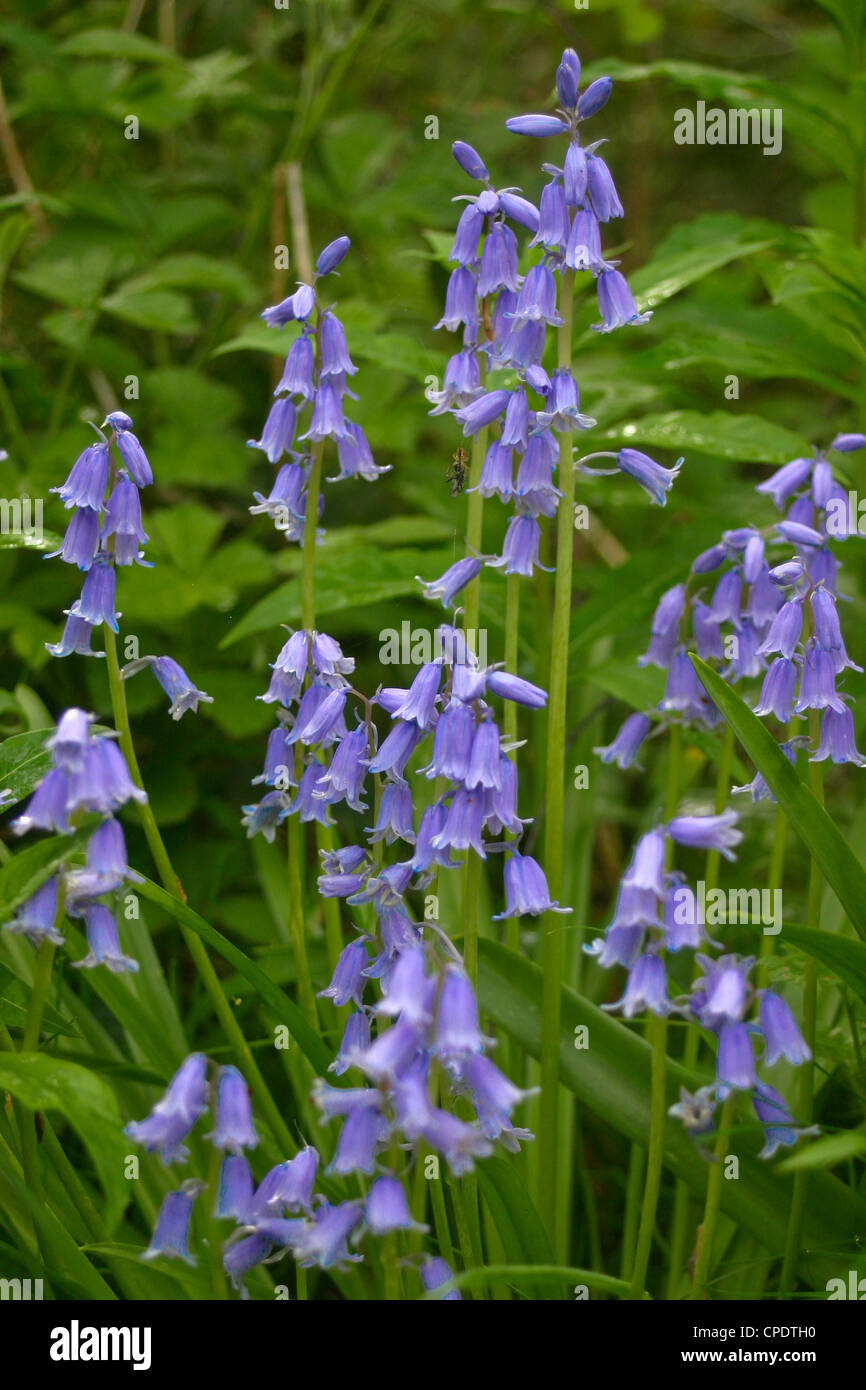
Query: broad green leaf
{"type": "Point", "coordinates": [527, 1278]}
{"type": "Point", "coordinates": [520, 1228]}
{"type": "Point", "coordinates": [840, 867]}
{"type": "Point", "coordinates": [193, 272]}
{"type": "Point", "coordinates": [86, 1102]}
{"type": "Point", "coordinates": [45, 540]}
{"type": "Point", "coordinates": [24, 761]}
{"type": "Point", "coordinates": [352, 578]}
{"type": "Point", "coordinates": [30, 868]}
{"type": "Point", "coordinates": [845, 957]}
{"type": "Point", "coordinates": [14, 1001]}
{"type": "Point", "coordinates": [116, 43]}
{"type": "Point", "coordinates": [65, 1264]}
{"type": "Point", "coordinates": [611, 1076]}
{"type": "Point", "coordinates": [826, 1152]}
{"type": "Point", "coordinates": [164, 311]}
{"type": "Point", "coordinates": [725, 434]}
{"type": "Point", "coordinates": [271, 995]}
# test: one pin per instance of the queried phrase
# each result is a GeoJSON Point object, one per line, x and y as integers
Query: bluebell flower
{"type": "Point", "coordinates": [104, 947]}
{"type": "Point", "coordinates": [818, 681]}
{"type": "Point", "coordinates": [624, 749]}
{"type": "Point", "coordinates": [455, 578]}
{"type": "Point", "coordinates": [171, 1234]}
{"type": "Point", "coordinates": [777, 692]}
{"type": "Point", "coordinates": [470, 160]}
{"type": "Point", "coordinates": [297, 307]}
{"type": "Point", "coordinates": [616, 302]}
{"type": "Point", "coordinates": [330, 258]}
{"type": "Point", "coordinates": [123, 521]}
{"type": "Point", "coordinates": [174, 1115]}
{"type": "Point", "coordinates": [130, 449]}
{"type": "Point", "coordinates": [837, 739]}
{"type": "Point", "coordinates": [461, 301]}
{"type": "Point", "coordinates": [602, 190]}
{"type": "Point", "coordinates": [646, 988]}
{"type": "Point", "coordinates": [347, 982]}
{"type": "Point", "coordinates": [297, 377]}
{"type": "Point", "coordinates": [76, 639]}
{"type": "Point", "coordinates": [520, 549]}
{"type": "Point", "coordinates": [80, 541]}
{"type": "Point", "coordinates": [786, 480]}
{"type": "Point", "coordinates": [536, 126]}
{"type": "Point", "coordinates": [526, 890]}
{"type": "Point", "coordinates": [181, 691]}
{"type": "Point", "coordinates": [36, 917]}
{"type": "Point", "coordinates": [234, 1129]}
{"type": "Point", "coordinates": [735, 1061]}
{"type": "Point", "coordinates": [482, 411]}
{"type": "Point", "coordinates": [88, 479]}
{"type": "Point", "coordinates": [434, 1273]}
{"type": "Point", "coordinates": [354, 1042]}
{"type": "Point", "coordinates": [707, 832]}
{"type": "Point", "coordinates": [583, 248]}
{"type": "Point", "coordinates": [387, 1208]}
{"type": "Point", "coordinates": [460, 384]}
{"type": "Point", "coordinates": [574, 175]}
{"type": "Point", "coordinates": [655, 480]}
{"type": "Point", "coordinates": [781, 1034]}
{"type": "Point", "coordinates": [536, 302]}
{"type": "Point", "coordinates": [235, 1195]}
{"type": "Point", "coordinates": [695, 1110]}
{"type": "Point", "coordinates": [594, 98]}
{"type": "Point", "coordinates": [553, 221]}
{"type": "Point", "coordinates": [71, 739]}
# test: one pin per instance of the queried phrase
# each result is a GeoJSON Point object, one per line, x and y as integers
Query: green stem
{"type": "Point", "coordinates": [38, 995]}
{"type": "Point", "coordinates": [294, 842]}
{"type": "Point", "coordinates": [682, 1195]}
{"type": "Point", "coordinates": [229, 1024]}
{"type": "Point", "coordinates": [713, 1201]}
{"type": "Point", "coordinates": [440, 1221]}
{"type": "Point", "coordinates": [308, 554]}
{"type": "Point", "coordinates": [658, 1109]}
{"type": "Point", "coordinates": [806, 1094]}
{"type": "Point", "coordinates": [554, 829]}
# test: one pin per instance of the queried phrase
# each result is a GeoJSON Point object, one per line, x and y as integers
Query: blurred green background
{"type": "Point", "coordinates": [151, 257]}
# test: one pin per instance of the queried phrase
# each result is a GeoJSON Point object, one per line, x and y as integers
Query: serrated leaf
{"type": "Point", "coordinates": [116, 43]}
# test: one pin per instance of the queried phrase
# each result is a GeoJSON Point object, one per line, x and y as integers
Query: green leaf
{"type": "Point", "coordinates": [846, 958]}
{"type": "Point", "coordinates": [84, 1100]}
{"type": "Point", "coordinates": [45, 540]}
{"type": "Point", "coordinates": [725, 434]}
{"type": "Point", "coordinates": [164, 311]}
{"type": "Point", "coordinates": [116, 43]}
{"type": "Point", "coordinates": [285, 1010]}
{"type": "Point", "coordinates": [194, 272]}
{"type": "Point", "coordinates": [344, 579]}
{"type": "Point", "coordinates": [527, 1278]}
{"type": "Point", "coordinates": [65, 1265]}
{"type": "Point", "coordinates": [826, 1152]}
{"type": "Point", "coordinates": [14, 999]}
{"type": "Point", "coordinates": [520, 1228]}
{"type": "Point", "coordinates": [24, 761]}
{"type": "Point", "coordinates": [823, 840]}
{"type": "Point", "coordinates": [611, 1076]}
{"type": "Point", "coordinates": [29, 868]}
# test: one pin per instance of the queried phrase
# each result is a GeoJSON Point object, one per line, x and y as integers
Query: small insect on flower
{"type": "Point", "coordinates": [457, 472]}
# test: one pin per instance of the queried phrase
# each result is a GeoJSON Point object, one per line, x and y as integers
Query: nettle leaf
{"type": "Point", "coordinates": [87, 1102]}
{"type": "Point", "coordinates": [163, 311]}
{"type": "Point", "coordinates": [74, 281]}
{"type": "Point", "coordinates": [195, 272]}
{"type": "Point", "coordinates": [840, 867]}
{"type": "Point", "coordinates": [746, 438]}
{"type": "Point", "coordinates": [116, 43]}
{"type": "Point", "coordinates": [715, 243]}
{"type": "Point", "coordinates": [346, 579]}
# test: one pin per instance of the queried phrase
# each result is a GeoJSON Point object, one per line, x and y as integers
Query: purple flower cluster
{"type": "Point", "coordinates": [658, 913]}
{"type": "Point", "coordinates": [88, 776]}
{"type": "Point", "coordinates": [763, 614]}
{"type": "Point", "coordinates": [504, 317]}
{"type": "Point", "coordinates": [316, 374]}
{"type": "Point", "coordinates": [106, 531]}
